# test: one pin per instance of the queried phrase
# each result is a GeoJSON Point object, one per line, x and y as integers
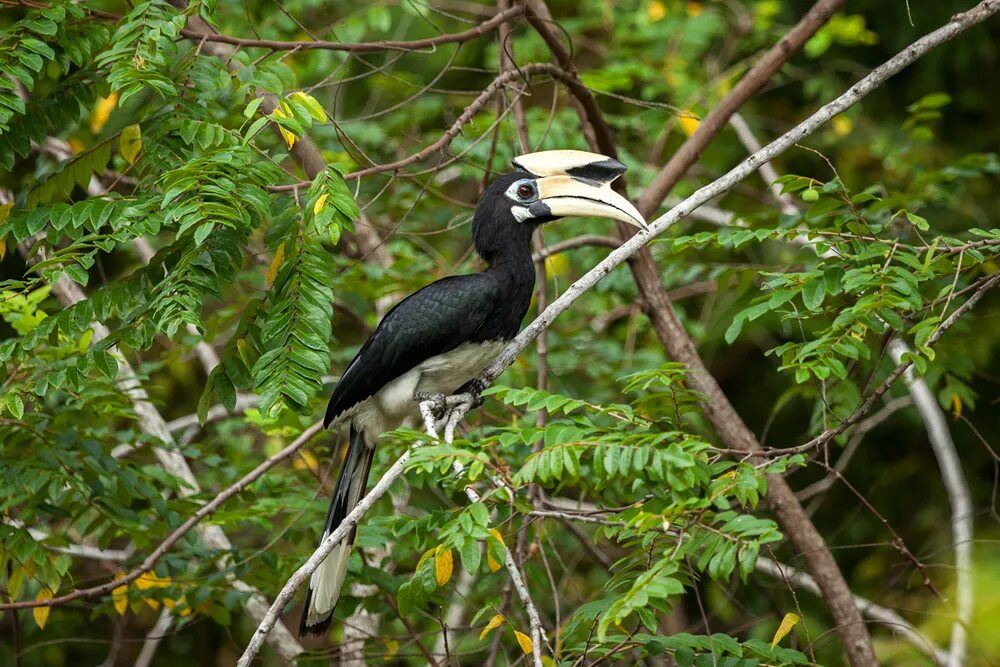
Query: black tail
{"type": "Point", "coordinates": [328, 579]}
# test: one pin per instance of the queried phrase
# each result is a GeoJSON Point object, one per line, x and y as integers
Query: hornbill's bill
{"type": "Point", "coordinates": [439, 339]}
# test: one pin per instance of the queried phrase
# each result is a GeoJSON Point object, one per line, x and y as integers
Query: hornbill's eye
{"type": "Point", "coordinates": [525, 191]}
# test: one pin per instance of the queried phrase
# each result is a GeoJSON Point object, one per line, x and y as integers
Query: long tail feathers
{"type": "Point", "coordinates": [327, 580]}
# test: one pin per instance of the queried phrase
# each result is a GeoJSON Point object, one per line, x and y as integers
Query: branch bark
{"type": "Point", "coordinates": [271, 617]}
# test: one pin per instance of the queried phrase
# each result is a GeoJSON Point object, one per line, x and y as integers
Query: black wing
{"type": "Point", "coordinates": [434, 320]}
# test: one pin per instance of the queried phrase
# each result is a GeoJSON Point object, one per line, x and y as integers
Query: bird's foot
{"type": "Point", "coordinates": [437, 403]}
{"type": "Point", "coordinates": [474, 389]}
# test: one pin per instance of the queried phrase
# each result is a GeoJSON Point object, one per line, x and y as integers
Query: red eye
{"type": "Point", "coordinates": [525, 191]}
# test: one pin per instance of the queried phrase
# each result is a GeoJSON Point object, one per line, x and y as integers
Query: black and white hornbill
{"type": "Point", "coordinates": [439, 339]}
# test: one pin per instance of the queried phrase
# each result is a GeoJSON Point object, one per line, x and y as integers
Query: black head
{"type": "Point", "coordinates": [546, 186]}
{"type": "Point", "coordinates": [495, 228]}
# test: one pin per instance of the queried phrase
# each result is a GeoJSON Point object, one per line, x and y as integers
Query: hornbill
{"type": "Point", "coordinates": [438, 340]}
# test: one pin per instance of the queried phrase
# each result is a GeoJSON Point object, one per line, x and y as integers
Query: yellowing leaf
{"type": "Point", "coordinates": [314, 108]}
{"type": "Point", "coordinates": [656, 11]}
{"type": "Point", "coordinates": [3, 248]}
{"type": "Point", "coordinates": [289, 137]}
{"type": "Point", "coordinates": [956, 405]}
{"type": "Point", "coordinates": [180, 604]}
{"type": "Point", "coordinates": [272, 271]}
{"type": "Point", "coordinates": [525, 642]}
{"type": "Point", "coordinates": [391, 649]}
{"type": "Point", "coordinates": [320, 203]}
{"type": "Point", "coordinates": [491, 626]}
{"type": "Point", "coordinates": [841, 125]}
{"type": "Point", "coordinates": [443, 565]}
{"type": "Point", "coordinates": [41, 614]}
{"type": "Point", "coordinates": [423, 558]}
{"type": "Point", "coordinates": [102, 111]}
{"type": "Point", "coordinates": [120, 596]}
{"type": "Point", "coordinates": [787, 623]}
{"type": "Point", "coordinates": [556, 265]}
{"type": "Point", "coordinates": [130, 143]}
{"type": "Point", "coordinates": [149, 580]}
{"type": "Point", "coordinates": [693, 8]}
{"type": "Point", "coordinates": [306, 461]}
{"type": "Point", "coordinates": [491, 562]}
{"type": "Point", "coordinates": [688, 123]}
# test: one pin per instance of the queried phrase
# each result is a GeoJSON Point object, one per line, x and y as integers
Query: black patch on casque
{"type": "Point", "coordinates": [603, 171]}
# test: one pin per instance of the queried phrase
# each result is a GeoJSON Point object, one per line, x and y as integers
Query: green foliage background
{"type": "Point", "coordinates": [901, 190]}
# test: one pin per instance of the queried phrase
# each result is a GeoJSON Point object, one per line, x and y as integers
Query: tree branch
{"type": "Point", "coordinates": [959, 498]}
{"type": "Point", "coordinates": [357, 47]}
{"type": "Point", "coordinates": [271, 617]}
{"type": "Point", "coordinates": [726, 421]}
{"type": "Point", "coordinates": [456, 128]}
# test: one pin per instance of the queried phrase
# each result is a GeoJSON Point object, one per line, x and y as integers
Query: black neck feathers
{"type": "Point", "coordinates": [504, 243]}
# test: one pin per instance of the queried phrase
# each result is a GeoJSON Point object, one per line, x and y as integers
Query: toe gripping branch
{"type": "Point", "coordinates": [439, 409]}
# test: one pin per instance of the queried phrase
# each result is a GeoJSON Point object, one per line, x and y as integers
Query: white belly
{"type": "Point", "coordinates": [441, 374]}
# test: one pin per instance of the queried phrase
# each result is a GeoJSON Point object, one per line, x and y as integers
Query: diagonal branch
{"type": "Point", "coordinates": [458, 405]}
{"type": "Point", "coordinates": [726, 421]}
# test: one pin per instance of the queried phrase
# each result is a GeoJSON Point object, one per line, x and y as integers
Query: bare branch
{"type": "Point", "coordinates": [358, 47]}
{"type": "Point", "coordinates": [863, 428]}
{"type": "Point", "coordinates": [153, 638]}
{"type": "Point", "coordinates": [477, 105]}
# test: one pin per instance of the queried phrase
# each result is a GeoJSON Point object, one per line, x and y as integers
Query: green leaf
{"type": "Point", "coordinates": [813, 293]}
